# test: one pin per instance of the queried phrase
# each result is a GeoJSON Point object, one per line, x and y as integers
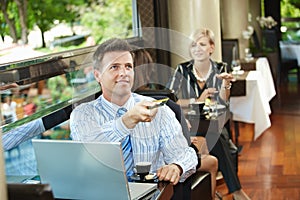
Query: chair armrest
{"type": "Point", "coordinates": [201, 185]}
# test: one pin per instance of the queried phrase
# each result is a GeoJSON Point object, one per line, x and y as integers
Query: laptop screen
{"type": "Point", "coordinates": [77, 170]}
{"type": "Point", "coordinates": [86, 170]}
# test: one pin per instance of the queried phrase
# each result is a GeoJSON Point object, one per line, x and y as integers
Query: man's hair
{"type": "Point", "coordinates": [111, 45]}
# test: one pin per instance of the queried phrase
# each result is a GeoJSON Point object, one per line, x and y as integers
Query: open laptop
{"type": "Point", "coordinates": [86, 170]}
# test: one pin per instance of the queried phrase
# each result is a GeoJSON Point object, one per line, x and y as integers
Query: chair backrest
{"type": "Point", "coordinates": [230, 47]}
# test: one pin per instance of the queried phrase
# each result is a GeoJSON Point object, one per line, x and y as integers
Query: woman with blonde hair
{"type": "Point", "coordinates": [199, 79]}
{"type": "Point", "coordinates": [206, 162]}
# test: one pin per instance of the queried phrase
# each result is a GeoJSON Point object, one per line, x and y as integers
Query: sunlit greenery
{"type": "Point", "coordinates": [291, 9]}
{"type": "Point", "coordinates": [102, 18]}
{"type": "Point", "coordinates": [110, 18]}
{"type": "Point", "coordinates": [288, 9]}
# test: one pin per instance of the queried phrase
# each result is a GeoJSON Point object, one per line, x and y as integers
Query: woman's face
{"type": "Point", "coordinates": [201, 49]}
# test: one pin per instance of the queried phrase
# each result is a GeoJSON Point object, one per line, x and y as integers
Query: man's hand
{"type": "Point", "coordinates": [139, 113]}
{"type": "Point", "coordinates": [169, 173]}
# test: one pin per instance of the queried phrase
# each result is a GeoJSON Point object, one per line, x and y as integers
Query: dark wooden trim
{"type": "Point", "coordinates": [290, 19]}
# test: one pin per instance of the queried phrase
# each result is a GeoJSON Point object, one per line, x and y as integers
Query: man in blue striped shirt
{"type": "Point", "coordinates": [16, 136]}
{"type": "Point", "coordinates": [155, 134]}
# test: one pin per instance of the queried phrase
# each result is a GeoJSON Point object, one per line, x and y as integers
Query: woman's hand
{"type": "Point", "coordinates": [207, 93]}
{"type": "Point", "coordinates": [226, 76]}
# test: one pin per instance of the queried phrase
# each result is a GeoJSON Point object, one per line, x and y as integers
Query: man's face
{"type": "Point", "coordinates": [116, 74]}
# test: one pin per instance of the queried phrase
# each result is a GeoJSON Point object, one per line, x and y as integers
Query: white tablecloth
{"type": "Point", "coordinates": [290, 50]}
{"type": "Point", "coordinates": [255, 107]}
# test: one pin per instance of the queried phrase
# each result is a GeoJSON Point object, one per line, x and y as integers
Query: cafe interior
{"type": "Point", "coordinates": [261, 118]}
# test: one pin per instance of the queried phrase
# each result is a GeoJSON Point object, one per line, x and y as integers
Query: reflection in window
{"type": "Point", "coordinates": [102, 19]}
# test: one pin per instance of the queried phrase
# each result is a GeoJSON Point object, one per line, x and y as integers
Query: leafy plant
{"type": "Point", "coordinates": [108, 18]}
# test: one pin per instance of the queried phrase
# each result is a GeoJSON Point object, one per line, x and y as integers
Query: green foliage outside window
{"type": "Point", "coordinates": [108, 19]}
{"type": "Point", "coordinates": [102, 18]}
{"type": "Point", "coordinates": [291, 9]}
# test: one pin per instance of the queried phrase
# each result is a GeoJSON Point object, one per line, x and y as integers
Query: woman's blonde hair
{"type": "Point", "coordinates": [203, 32]}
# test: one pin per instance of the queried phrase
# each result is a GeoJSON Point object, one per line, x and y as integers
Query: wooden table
{"type": "Point", "coordinates": [19, 190]}
{"type": "Point", "coordinates": [248, 65]}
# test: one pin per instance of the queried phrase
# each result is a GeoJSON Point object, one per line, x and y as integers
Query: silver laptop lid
{"type": "Point", "coordinates": [82, 170]}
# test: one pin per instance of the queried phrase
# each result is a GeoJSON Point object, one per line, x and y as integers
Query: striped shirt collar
{"type": "Point", "coordinates": [107, 105]}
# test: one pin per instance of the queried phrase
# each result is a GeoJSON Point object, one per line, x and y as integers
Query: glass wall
{"type": "Point", "coordinates": [49, 86]}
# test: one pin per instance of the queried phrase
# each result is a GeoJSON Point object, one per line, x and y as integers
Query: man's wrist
{"type": "Point", "coordinates": [129, 121]}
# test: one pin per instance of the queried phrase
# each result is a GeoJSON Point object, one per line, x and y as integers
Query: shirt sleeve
{"type": "Point", "coordinates": [16, 136]}
{"type": "Point", "coordinates": [88, 125]}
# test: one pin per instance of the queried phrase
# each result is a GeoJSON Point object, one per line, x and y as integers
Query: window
{"type": "Point", "coordinates": [53, 82]}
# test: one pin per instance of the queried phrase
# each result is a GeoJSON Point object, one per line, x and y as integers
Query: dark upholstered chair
{"type": "Point", "coordinates": [289, 66]}
{"type": "Point", "coordinates": [228, 46]}
{"type": "Point", "coordinates": [285, 65]}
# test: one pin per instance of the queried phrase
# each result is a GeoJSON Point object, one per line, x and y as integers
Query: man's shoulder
{"type": "Point", "coordinates": [85, 105]}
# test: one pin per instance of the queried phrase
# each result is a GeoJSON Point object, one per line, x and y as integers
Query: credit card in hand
{"type": "Point", "coordinates": [159, 102]}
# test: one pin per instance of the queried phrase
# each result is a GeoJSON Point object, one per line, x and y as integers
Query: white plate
{"type": "Point", "coordinates": [219, 106]}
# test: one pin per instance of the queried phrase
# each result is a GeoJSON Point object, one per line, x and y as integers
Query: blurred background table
{"type": "Point", "coordinates": [254, 107]}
